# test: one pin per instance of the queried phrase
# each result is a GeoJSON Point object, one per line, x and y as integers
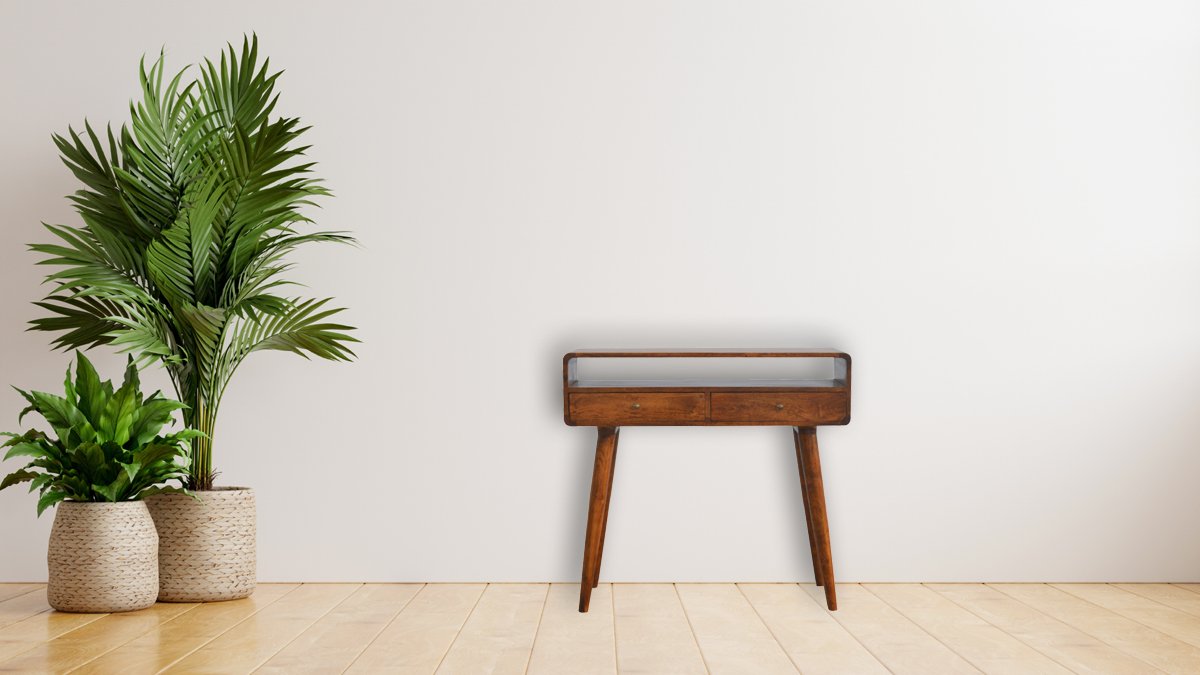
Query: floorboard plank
{"type": "Point", "coordinates": [92, 640]}
{"type": "Point", "coordinates": [898, 643]}
{"type": "Point", "coordinates": [335, 641]}
{"type": "Point", "coordinates": [1129, 636]}
{"type": "Point", "coordinates": [1170, 595]}
{"type": "Point", "coordinates": [8, 591]}
{"type": "Point", "coordinates": [807, 631]}
{"type": "Point", "coordinates": [985, 646]}
{"type": "Point", "coordinates": [571, 642]}
{"type": "Point", "coordinates": [732, 638]}
{"type": "Point", "coordinates": [415, 642]}
{"type": "Point", "coordinates": [22, 636]}
{"type": "Point", "coordinates": [1156, 615]}
{"type": "Point", "coordinates": [175, 639]}
{"type": "Point", "coordinates": [264, 633]}
{"type": "Point", "coordinates": [652, 631]}
{"type": "Point", "coordinates": [21, 607]}
{"type": "Point", "coordinates": [1065, 644]}
{"type": "Point", "coordinates": [498, 636]}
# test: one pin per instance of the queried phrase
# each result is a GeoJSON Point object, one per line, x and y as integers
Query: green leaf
{"type": "Point", "coordinates": [114, 491]}
{"type": "Point", "coordinates": [17, 477]}
{"type": "Point", "coordinates": [83, 321]}
{"type": "Point", "coordinates": [25, 450]}
{"type": "Point", "coordinates": [31, 436]}
{"type": "Point", "coordinates": [58, 411]}
{"type": "Point", "coordinates": [50, 498]}
{"type": "Point", "coordinates": [132, 382]}
{"type": "Point", "coordinates": [92, 396]}
{"type": "Point", "coordinates": [164, 490]}
{"type": "Point", "coordinates": [155, 453]}
{"type": "Point", "coordinates": [146, 338]}
{"type": "Point", "coordinates": [90, 461]}
{"type": "Point", "coordinates": [40, 481]}
{"type": "Point", "coordinates": [183, 435]}
{"type": "Point", "coordinates": [303, 331]}
{"type": "Point", "coordinates": [116, 420]}
{"type": "Point", "coordinates": [151, 417]}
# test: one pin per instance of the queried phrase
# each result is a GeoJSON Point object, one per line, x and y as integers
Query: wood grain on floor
{"type": "Point", "coordinates": [632, 628]}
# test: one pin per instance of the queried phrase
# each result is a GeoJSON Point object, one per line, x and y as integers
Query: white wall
{"type": "Point", "coordinates": [992, 206]}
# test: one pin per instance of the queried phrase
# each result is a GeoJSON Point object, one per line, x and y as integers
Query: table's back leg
{"type": "Point", "coordinates": [808, 520]}
{"type": "Point", "coordinates": [810, 459]}
{"type": "Point", "coordinates": [607, 502]}
{"type": "Point", "coordinates": [606, 445]}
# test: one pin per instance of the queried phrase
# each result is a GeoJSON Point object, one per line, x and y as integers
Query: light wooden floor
{"type": "Point", "coordinates": [632, 628]}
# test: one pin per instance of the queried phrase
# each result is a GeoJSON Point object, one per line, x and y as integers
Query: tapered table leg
{"type": "Point", "coordinates": [810, 460]}
{"type": "Point", "coordinates": [808, 520]}
{"type": "Point", "coordinates": [607, 502]}
{"type": "Point", "coordinates": [606, 445]}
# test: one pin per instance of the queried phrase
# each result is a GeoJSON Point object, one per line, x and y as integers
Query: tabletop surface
{"type": "Point", "coordinates": [799, 352]}
{"type": "Point", "coordinates": [705, 383]}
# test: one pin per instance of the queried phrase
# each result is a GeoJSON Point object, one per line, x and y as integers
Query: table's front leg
{"type": "Point", "coordinates": [808, 519]}
{"type": "Point", "coordinates": [814, 495]}
{"type": "Point", "coordinates": [602, 472]}
{"type": "Point", "coordinates": [607, 503]}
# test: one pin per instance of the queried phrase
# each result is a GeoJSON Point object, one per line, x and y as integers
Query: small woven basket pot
{"type": "Point", "coordinates": [103, 557]}
{"type": "Point", "coordinates": [205, 546]}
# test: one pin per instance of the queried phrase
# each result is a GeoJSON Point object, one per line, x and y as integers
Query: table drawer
{"type": "Point", "coordinates": [792, 409]}
{"type": "Point", "coordinates": [626, 409]}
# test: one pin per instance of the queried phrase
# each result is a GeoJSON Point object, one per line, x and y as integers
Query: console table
{"type": "Point", "coordinates": [802, 404]}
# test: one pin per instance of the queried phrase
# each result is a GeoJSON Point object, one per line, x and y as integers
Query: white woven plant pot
{"type": "Point", "coordinates": [103, 557]}
{"type": "Point", "coordinates": [206, 546]}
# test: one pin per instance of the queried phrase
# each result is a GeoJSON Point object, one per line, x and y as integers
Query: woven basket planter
{"type": "Point", "coordinates": [103, 557]}
{"type": "Point", "coordinates": [206, 545]}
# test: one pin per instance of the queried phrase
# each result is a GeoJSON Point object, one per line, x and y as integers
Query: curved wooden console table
{"type": "Point", "coordinates": [802, 404]}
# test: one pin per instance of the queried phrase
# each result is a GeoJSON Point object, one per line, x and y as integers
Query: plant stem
{"type": "Point", "coordinates": [203, 418]}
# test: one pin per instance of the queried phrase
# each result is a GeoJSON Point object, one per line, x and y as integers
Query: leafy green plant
{"type": "Point", "coordinates": [189, 213]}
{"type": "Point", "coordinates": [107, 445]}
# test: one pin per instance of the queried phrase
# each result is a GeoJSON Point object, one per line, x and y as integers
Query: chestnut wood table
{"type": "Point", "coordinates": [802, 404]}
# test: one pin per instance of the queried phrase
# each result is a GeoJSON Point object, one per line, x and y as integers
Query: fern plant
{"type": "Point", "coordinates": [107, 445]}
{"type": "Point", "coordinates": [189, 213]}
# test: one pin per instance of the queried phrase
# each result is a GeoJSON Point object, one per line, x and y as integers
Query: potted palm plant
{"type": "Point", "coordinates": [189, 214]}
{"type": "Point", "coordinates": [105, 456]}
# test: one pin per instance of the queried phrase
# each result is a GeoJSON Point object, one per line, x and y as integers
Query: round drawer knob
{"type": "Point", "coordinates": [779, 406]}
{"type": "Point", "coordinates": [636, 406]}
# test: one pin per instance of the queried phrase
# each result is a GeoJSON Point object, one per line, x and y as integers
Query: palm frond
{"type": "Point", "coordinates": [189, 215]}
{"type": "Point", "coordinates": [302, 330]}
{"type": "Point", "coordinates": [89, 267]}
{"type": "Point", "coordinates": [81, 321]}
{"type": "Point", "coordinates": [102, 199]}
